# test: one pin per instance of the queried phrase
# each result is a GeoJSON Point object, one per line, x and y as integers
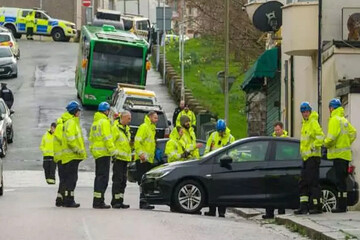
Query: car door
{"type": "Point", "coordinates": [41, 23]}
{"type": "Point", "coordinates": [283, 173]}
{"type": "Point", "coordinates": [241, 183]}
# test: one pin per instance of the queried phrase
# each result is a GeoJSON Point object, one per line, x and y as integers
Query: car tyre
{"type": "Point", "coordinates": [13, 31]}
{"type": "Point", "coordinates": [329, 198]}
{"type": "Point", "coordinates": [189, 197]}
{"type": "Point", "coordinates": [3, 148]}
{"type": "Point", "coordinates": [58, 35]}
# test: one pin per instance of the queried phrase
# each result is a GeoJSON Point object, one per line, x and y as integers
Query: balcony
{"type": "Point", "coordinates": [300, 27]}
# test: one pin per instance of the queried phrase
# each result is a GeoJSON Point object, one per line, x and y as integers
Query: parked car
{"type": "Point", "coordinates": [8, 63]}
{"type": "Point", "coordinates": [132, 95]}
{"type": "Point", "coordinates": [6, 127]}
{"type": "Point", "coordinates": [7, 39]}
{"type": "Point", "coordinates": [4, 29]}
{"type": "Point", "coordinates": [257, 172]}
{"type": "Point", "coordinates": [160, 158]}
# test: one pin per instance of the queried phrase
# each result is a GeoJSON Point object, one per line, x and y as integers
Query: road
{"type": "Point", "coordinates": [43, 88]}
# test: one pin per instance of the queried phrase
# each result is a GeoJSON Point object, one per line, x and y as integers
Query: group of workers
{"type": "Point", "coordinates": [63, 144]}
{"type": "Point", "coordinates": [341, 134]}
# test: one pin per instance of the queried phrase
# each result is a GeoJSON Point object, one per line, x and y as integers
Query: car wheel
{"type": "Point", "coordinates": [3, 148]}
{"type": "Point", "coordinates": [58, 35]}
{"type": "Point", "coordinates": [11, 136]}
{"type": "Point", "coordinates": [189, 196]}
{"type": "Point", "coordinates": [13, 31]}
{"type": "Point", "coordinates": [329, 199]}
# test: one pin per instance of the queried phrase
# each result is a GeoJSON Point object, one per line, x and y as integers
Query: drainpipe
{"type": "Point", "coordinates": [319, 75]}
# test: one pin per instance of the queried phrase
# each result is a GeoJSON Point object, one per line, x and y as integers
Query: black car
{"type": "Point", "coordinates": [257, 172]}
{"type": "Point", "coordinates": [160, 157]}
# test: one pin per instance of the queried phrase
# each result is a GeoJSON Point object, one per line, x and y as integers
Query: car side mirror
{"type": "Point", "coordinates": [169, 122]}
{"type": "Point", "coordinates": [225, 160]}
{"type": "Point", "coordinates": [11, 112]}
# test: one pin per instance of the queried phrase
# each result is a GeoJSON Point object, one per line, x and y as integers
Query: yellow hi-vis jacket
{"type": "Point", "coordinates": [188, 141]}
{"type": "Point", "coordinates": [341, 134]}
{"type": "Point", "coordinates": [122, 138]}
{"type": "Point", "coordinates": [145, 140]}
{"type": "Point", "coordinates": [30, 20]}
{"type": "Point", "coordinates": [58, 137]}
{"type": "Point", "coordinates": [215, 141]}
{"type": "Point", "coordinates": [285, 134]}
{"type": "Point", "coordinates": [190, 114]}
{"type": "Point", "coordinates": [312, 137]}
{"type": "Point", "coordinates": [73, 141]}
{"type": "Point", "coordinates": [101, 140]}
{"type": "Point", "coordinates": [47, 144]}
{"type": "Point", "coordinates": [174, 148]}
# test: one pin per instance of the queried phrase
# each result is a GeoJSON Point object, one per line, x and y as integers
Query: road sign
{"type": "Point", "coordinates": [160, 18]}
{"type": "Point", "coordinates": [86, 3]}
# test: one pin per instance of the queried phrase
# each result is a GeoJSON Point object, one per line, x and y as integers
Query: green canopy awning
{"type": "Point", "coordinates": [265, 66]}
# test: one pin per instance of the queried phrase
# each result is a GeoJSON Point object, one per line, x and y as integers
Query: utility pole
{"type": "Point", "coordinates": [164, 37]}
{"type": "Point", "coordinates": [124, 6]}
{"type": "Point", "coordinates": [138, 7]}
{"type": "Point", "coordinates": [41, 4]}
{"type": "Point", "coordinates": [226, 87]}
{"type": "Point", "coordinates": [182, 42]}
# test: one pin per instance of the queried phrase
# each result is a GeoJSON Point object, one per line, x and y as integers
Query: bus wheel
{"type": "Point", "coordinates": [58, 35]}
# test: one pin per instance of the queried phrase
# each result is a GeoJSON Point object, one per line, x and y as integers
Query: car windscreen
{"type": "Point", "coordinates": [137, 118]}
{"type": "Point", "coordinates": [142, 25]}
{"type": "Point", "coordinates": [115, 63]}
{"type": "Point", "coordinates": [5, 52]}
{"type": "Point", "coordinates": [139, 101]}
{"type": "Point", "coordinates": [4, 38]}
{"type": "Point", "coordinates": [108, 16]}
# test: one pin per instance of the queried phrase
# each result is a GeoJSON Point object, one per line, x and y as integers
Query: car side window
{"type": "Point", "coordinates": [2, 108]}
{"type": "Point", "coordinates": [251, 151]}
{"type": "Point", "coordinates": [287, 151]}
{"type": "Point", "coordinates": [25, 13]}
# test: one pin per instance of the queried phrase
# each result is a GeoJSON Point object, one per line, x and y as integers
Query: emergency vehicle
{"type": "Point", "coordinates": [14, 20]}
{"type": "Point", "coordinates": [137, 24]}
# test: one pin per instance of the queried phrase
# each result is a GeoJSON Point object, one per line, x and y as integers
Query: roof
{"type": "Point", "coordinates": [110, 33]}
{"type": "Point", "coordinates": [139, 92]}
{"type": "Point", "coordinates": [265, 66]}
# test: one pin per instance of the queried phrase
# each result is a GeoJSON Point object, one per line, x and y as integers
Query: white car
{"type": "Point", "coordinates": [7, 39]}
{"type": "Point", "coordinates": [130, 96]}
{"type": "Point", "coordinates": [8, 63]}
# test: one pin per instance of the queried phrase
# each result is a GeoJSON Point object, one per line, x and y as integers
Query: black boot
{"type": "Point", "coordinates": [304, 209]}
{"type": "Point", "coordinates": [59, 202]}
{"type": "Point", "coordinates": [341, 206]}
{"type": "Point", "coordinates": [269, 213]}
{"type": "Point", "coordinates": [120, 205]}
{"type": "Point", "coordinates": [99, 203]}
{"type": "Point", "coordinates": [281, 211]}
{"type": "Point", "coordinates": [70, 202]}
{"type": "Point", "coordinates": [211, 212]}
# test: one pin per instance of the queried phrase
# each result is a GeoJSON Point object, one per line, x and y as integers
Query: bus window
{"type": "Point", "coordinates": [114, 63]}
{"type": "Point", "coordinates": [142, 25]}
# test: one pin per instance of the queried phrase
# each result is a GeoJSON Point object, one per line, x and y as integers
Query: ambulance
{"type": "Point", "coordinates": [14, 20]}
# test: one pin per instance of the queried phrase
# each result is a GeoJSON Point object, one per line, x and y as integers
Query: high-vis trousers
{"type": "Point", "coordinates": [119, 179]}
{"type": "Point", "coordinates": [49, 169]}
{"type": "Point", "coordinates": [101, 182]}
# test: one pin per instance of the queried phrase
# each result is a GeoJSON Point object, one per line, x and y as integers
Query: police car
{"type": "Point", "coordinates": [15, 20]}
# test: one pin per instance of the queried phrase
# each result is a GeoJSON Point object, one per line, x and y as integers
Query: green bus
{"type": "Point", "coordinates": [108, 56]}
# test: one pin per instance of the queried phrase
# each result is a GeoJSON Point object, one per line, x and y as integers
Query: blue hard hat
{"type": "Point", "coordinates": [335, 103]}
{"type": "Point", "coordinates": [305, 106]}
{"type": "Point", "coordinates": [73, 106]}
{"type": "Point", "coordinates": [220, 125]}
{"type": "Point", "coordinates": [103, 107]}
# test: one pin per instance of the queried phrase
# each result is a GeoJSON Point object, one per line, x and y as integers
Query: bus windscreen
{"type": "Point", "coordinates": [116, 63]}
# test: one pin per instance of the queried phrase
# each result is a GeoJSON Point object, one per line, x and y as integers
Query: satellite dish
{"type": "Point", "coordinates": [268, 17]}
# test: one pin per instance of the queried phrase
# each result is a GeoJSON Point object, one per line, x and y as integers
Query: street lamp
{"type": "Point", "coordinates": [226, 84]}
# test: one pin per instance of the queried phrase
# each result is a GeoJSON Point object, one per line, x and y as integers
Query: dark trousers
{"type": "Point", "coordinates": [70, 173]}
{"type": "Point", "coordinates": [309, 181]}
{"type": "Point", "coordinates": [29, 32]}
{"type": "Point", "coordinates": [221, 210]}
{"type": "Point", "coordinates": [142, 168]}
{"type": "Point", "coordinates": [61, 189]}
{"type": "Point", "coordinates": [341, 172]}
{"type": "Point", "coordinates": [102, 168]}
{"type": "Point", "coordinates": [49, 169]}
{"type": "Point", "coordinates": [119, 179]}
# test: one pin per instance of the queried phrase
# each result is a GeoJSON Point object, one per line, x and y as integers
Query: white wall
{"type": "Point", "coordinates": [147, 7]}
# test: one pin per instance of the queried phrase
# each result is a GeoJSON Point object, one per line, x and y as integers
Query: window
{"type": "Point", "coordinates": [5, 52]}
{"type": "Point", "coordinates": [25, 13]}
{"type": "Point", "coordinates": [287, 151]}
{"type": "Point", "coordinates": [142, 25]}
{"type": "Point", "coordinates": [137, 118]}
{"type": "Point", "coordinates": [2, 108]}
{"type": "Point", "coordinates": [4, 38]}
{"type": "Point", "coordinates": [128, 24]}
{"type": "Point", "coordinates": [252, 151]}
{"type": "Point", "coordinates": [40, 15]}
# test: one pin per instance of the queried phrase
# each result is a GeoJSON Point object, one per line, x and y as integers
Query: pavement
{"type": "Point", "coordinates": [326, 226]}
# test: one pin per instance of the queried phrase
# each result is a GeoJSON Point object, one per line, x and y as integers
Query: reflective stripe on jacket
{"type": "Point", "coordinates": [312, 137]}
{"type": "Point", "coordinates": [285, 134]}
{"type": "Point", "coordinates": [341, 134]}
{"type": "Point", "coordinates": [174, 148]}
{"type": "Point", "coordinates": [190, 114]}
{"type": "Point", "coordinates": [145, 140]}
{"type": "Point", "coordinates": [101, 140]}
{"type": "Point", "coordinates": [73, 141]}
{"type": "Point", "coordinates": [47, 144]}
{"type": "Point", "coordinates": [215, 141]}
{"type": "Point", "coordinates": [188, 141]}
{"type": "Point", "coordinates": [122, 138]}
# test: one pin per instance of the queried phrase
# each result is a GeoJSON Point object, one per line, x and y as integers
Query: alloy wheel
{"type": "Point", "coordinates": [189, 197]}
{"type": "Point", "coordinates": [329, 200]}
